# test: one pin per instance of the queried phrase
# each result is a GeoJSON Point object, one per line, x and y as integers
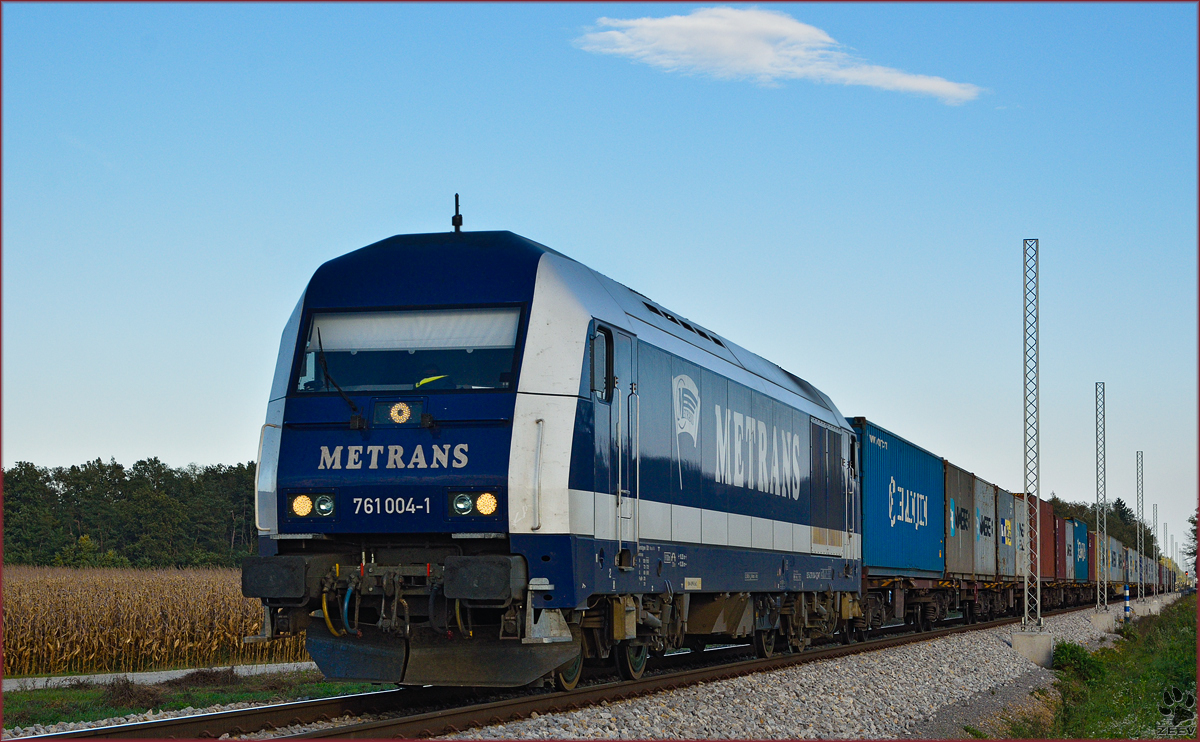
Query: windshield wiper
{"type": "Point", "coordinates": [357, 422]}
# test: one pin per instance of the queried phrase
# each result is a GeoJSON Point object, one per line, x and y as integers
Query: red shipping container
{"type": "Point", "coordinates": [1091, 556]}
{"type": "Point", "coordinates": [1045, 535]}
{"type": "Point", "coordinates": [1060, 550]}
{"type": "Point", "coordinates": [1046, 540]}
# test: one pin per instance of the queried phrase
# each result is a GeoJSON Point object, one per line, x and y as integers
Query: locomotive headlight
{"type": "Point", "coordinates": [486, 503]}
{"type": "Point", "coordinates": [302, 505]}
{"type": "Point", "coordinates": [463, 504]}
{"type": "Point", "coordinates": [325, 505]}
{"type": "Point", "coordinates": [400, 413]}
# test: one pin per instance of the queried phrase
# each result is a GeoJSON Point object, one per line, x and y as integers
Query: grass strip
{"type": "Point", "coordinates": [1118, 692]}
{"type": "Point", "coordinates": [83, 701]}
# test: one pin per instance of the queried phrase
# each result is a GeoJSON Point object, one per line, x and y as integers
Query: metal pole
{"type": "Point", "coordinates": [1156, 550]}
{"type": "Point", "coordinates": [1140, 545]}
{"type": "Point", "coordinates": [1164, 550]}
{"type": "Point", "coordinates": [1033, 589]}
{"type": "Point", "coordinates": [1102, 569]}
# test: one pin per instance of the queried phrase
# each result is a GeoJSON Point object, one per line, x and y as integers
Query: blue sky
{"type": "Point", "coordinates": [841, 188]}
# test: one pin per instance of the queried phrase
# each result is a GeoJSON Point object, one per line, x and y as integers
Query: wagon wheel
{"type": "Point", "coordinates": [924, 621]}
{"type": "Point", "coordinates": [764, 643]}
{"type": "Point", "coordinates": [567, 676]}
{"type": "Point", "coordinates": [631, 660]}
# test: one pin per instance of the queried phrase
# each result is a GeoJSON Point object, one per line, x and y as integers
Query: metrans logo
{"type": "Point", "coordinates": [441, 457]}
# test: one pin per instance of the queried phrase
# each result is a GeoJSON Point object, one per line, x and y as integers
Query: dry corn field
{"type": "Point", "coordinates": [61, 620]}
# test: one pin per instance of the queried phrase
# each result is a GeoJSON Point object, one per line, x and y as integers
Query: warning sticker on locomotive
{"type": "Point", "coordinates": [691, 583]}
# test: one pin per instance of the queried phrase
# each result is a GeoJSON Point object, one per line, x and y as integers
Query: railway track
{"type": "Point", "coordinates": [428, 712]}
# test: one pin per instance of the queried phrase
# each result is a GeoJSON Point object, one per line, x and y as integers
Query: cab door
{"type": "Point", "coordinates": [617, 416]}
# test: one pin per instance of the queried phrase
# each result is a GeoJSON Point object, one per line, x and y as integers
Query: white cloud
{"type": "Point", "coordinates": [761, 45]}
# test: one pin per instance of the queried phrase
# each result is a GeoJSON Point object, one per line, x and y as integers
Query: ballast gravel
{"type": "Point", "coordinates": [873, 695]}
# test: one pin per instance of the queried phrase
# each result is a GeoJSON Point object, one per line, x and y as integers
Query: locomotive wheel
{"type": "Point", "coordinates": [567, 676]}
{"type": "Point", "coordinates": [631, 660]}
{"type": "Point", "coordinates": [924, 621]}
{"type": "Point", "coordinates": [764, 643]}
{"type": "Point", "coordinates": [860, 635]}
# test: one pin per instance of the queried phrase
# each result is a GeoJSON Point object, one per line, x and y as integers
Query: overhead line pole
{"type": "Point", "coordinates": [1156, 549]}
{"type": "Point", "coordinates": [1140, 539]}
{"type": "Point", "coordinates": [1102, 549]}
{"type": "Point", "coordinates": [1033, 566]}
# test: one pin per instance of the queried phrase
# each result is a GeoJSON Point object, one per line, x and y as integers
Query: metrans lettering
{"type": "Point", "coordinates": [356, 456]}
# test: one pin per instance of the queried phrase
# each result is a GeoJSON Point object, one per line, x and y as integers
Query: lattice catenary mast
{"type": "Point", "coordinates": [1033, 565]}
{"type": "Point", "coordinates": [1102, 549]}
{"type": "Point", "coordinates": [1141, 544]}
{"type": "Point", "coordinates": [1157, 550]}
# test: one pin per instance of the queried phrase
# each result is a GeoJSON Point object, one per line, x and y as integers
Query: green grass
{"type": "Point", "coordinates": [1115, 692]}
{"type": "Point", "coordinates": [87, 702]}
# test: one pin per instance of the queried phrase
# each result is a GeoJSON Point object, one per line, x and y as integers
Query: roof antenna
{"type": "Point", "coordinates": [457, 220]}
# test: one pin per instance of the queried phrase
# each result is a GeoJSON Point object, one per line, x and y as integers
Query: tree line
{"type": "Point", "coordinates": [1122, 522]}
{"type": "Point", "coordinates": [148, 515]}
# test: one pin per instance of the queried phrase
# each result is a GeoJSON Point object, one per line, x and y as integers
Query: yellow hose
{"type": "Point", "coordinates": [458, 615]}
{"type": "Point", "coordinates": [325, 614]}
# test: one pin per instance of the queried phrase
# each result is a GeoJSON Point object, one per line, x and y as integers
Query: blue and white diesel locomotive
{"type": "Point", "coordinates": [484, 464]}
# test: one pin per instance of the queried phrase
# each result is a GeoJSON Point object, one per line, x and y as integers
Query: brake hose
{"type": "Point", "coordinates": [325, 613]}
{"type": "Point", "coordinates": [346, 607]}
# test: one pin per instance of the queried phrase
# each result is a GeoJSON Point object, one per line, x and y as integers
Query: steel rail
{"type": "Point", "coordinates": [499, 712]}
{"type": "Point", "coordinates": [272, 716]}
{"type": "Point", "coordinates": [245, 721]}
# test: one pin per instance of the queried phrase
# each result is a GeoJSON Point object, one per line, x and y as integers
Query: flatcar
{"type": "Point", "coordinates": [486, 464]}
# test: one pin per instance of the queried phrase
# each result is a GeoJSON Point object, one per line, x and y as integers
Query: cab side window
{"type": "Point", "coordinates": [602, 364]}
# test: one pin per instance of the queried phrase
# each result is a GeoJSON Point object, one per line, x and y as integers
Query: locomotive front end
{"type": "Point", "coordinates": [381, 496]}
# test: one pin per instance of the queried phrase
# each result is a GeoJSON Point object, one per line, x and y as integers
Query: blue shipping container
{"type": "Point", "coordinates": [1081, 551]}
{"type": "Point", "coordinates": [903, 505]}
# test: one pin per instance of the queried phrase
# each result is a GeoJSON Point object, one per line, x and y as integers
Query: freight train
{"type": "Point", "coordinates": [485, 464]}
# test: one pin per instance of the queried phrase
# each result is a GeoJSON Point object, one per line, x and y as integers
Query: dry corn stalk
{"type": "Point", "coordinates": [62, 620]}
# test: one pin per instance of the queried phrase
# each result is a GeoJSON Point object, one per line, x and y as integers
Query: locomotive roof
{"type": "Point", "coordinates": [368, 276]}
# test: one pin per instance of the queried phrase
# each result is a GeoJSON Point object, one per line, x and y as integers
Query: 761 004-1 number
{"type": "Point", "coordinates": [389, 505]}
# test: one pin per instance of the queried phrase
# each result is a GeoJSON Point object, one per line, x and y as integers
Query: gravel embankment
{"type": "Point", "coordinates": [874, 695]}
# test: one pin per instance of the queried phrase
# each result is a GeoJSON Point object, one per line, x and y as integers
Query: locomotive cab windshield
{"type": "Point", "coordinates": [430, 350]}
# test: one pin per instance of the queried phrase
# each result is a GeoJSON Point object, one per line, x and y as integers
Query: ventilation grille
{"type": "Point", "coordinates": [671, 318]}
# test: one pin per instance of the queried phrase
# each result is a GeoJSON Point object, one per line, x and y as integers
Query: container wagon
{"type": "Point", "coordinates": [904, 516]}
